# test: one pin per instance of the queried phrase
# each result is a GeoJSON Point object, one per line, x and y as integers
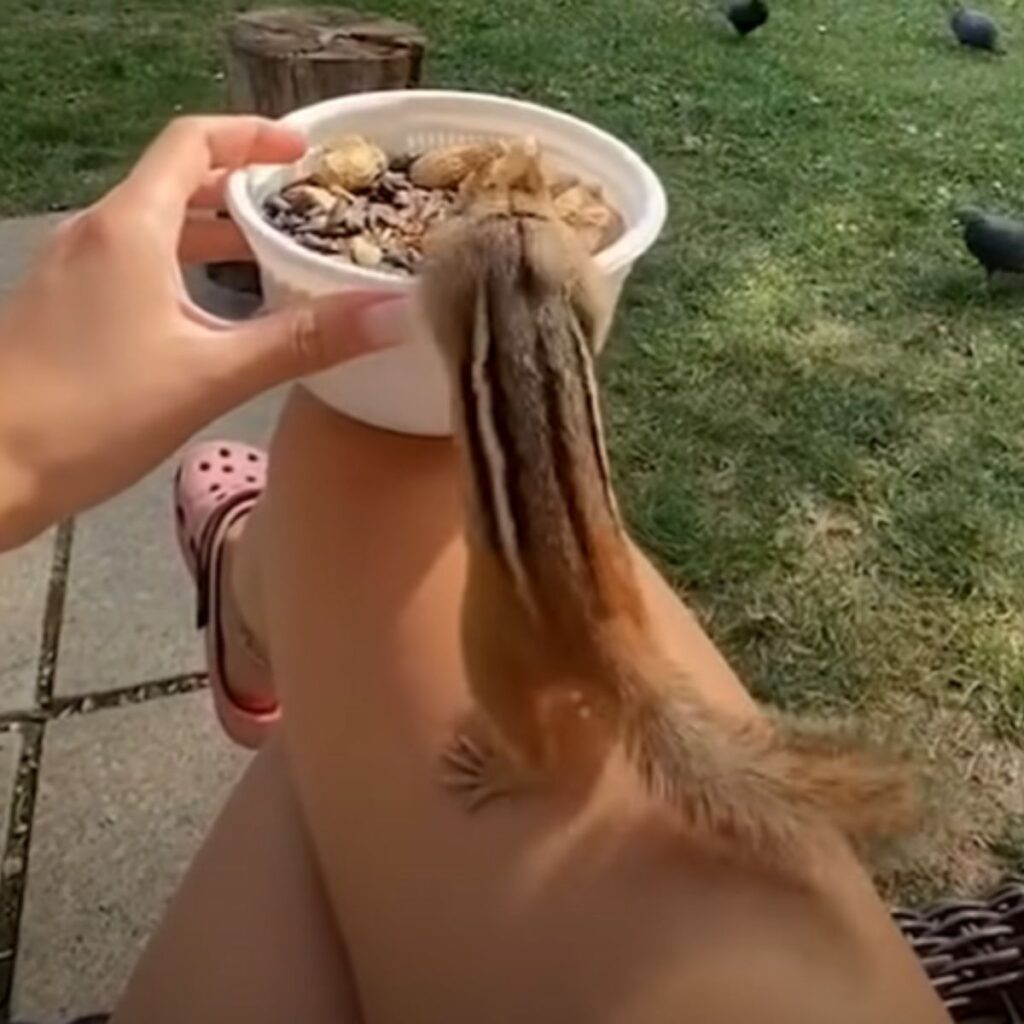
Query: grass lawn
{"type": "Point", "coordinates": [817, 407]}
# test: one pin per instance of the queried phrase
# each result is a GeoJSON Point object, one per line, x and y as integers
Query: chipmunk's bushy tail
{"type": "Point", "coordinates": [756, 787]}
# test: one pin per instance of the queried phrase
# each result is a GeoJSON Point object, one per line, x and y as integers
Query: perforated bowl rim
{"type": "Point", "coordinates": [623, 252]}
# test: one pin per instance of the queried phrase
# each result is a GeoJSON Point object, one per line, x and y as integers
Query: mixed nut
{"type": "Point", "coordinates": [376, 211]}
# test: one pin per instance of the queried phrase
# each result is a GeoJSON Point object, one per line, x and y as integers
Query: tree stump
{"type": "Point", "coordinates": [283, 58]}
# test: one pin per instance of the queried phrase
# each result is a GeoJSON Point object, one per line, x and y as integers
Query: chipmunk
{"type": "Point", "coordinates": [557, 643]}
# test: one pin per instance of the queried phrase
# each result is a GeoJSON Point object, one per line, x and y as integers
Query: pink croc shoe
{"type": "Point", "coordinates": [216, 485]}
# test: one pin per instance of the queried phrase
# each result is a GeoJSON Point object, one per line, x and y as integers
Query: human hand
{"type": "Point", "coordinates": [106, 366]}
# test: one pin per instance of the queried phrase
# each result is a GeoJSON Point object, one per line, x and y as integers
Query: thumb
{"type": "Point", "coordinates": [304, 339]}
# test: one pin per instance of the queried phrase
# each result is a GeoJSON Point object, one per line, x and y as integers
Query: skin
{"type": "Point", "coordinates": [106, 366]}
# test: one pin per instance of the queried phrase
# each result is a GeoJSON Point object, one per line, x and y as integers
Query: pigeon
{"type": "Point", "coordinates": [974, 28]}
{"type": "Point", "coordinates": [996, 242]}
{"type": "Point", "coordinates": [747, 15]}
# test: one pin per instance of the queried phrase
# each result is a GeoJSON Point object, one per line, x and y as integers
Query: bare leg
{"type": "Point", "coordinates": [530, 911]}
{"type": "Point", "coordinates": [249, 936]}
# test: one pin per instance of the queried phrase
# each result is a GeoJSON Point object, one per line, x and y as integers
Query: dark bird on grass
{"type": "Point", "coordinates": [974, 28]}
{"type": "Point", "coordinates": [996, 242]}
{"type": "Point", "coordinates": [746, 15]}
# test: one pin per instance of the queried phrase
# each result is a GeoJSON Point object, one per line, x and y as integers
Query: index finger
{"type": "Point", "coordinates": [179, 160]}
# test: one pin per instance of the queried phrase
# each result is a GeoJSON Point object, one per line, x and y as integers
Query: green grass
{"type": "Point", "coordinates": [817, 406]}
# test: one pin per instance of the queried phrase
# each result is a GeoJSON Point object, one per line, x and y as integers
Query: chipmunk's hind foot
{"type": "Point", "coordinates": [477, 771]}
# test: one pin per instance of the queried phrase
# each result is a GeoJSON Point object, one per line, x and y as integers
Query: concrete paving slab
{"type": "Point", "coordinates": [24, 580]}
{"type": "Point", "coordinates": [125, 797]}
{"type": "Point", "coordinates": [20, 237]}
{"type": "Point", "coordinates": [130, 609]}
{"type": "Point", "coordinates": [128, 616]}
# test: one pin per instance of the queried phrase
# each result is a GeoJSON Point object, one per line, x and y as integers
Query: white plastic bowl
{"type": "Point", "coordinates": [406, 388]}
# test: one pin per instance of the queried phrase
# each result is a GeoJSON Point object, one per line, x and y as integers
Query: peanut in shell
{"type": "Point", "coordinates": [448, 166]}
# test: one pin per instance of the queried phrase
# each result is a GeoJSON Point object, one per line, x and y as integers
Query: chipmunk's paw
{"type": "Point", "coordinates": [476, 771]}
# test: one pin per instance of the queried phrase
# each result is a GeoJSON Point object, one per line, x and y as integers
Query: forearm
{"type": "Point", "coordinates": [21, 511]}
{"type": "Point", "coordinates": [32, 414]}
{"type": "Point", "coordinates": [42, 435]}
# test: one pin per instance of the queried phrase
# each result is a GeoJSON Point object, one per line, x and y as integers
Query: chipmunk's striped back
{"type": "Point", "coordinates": [531, 420]}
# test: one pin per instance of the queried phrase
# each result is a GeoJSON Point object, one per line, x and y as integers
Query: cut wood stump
{"type": "Point", "coordinates": [280, 59]}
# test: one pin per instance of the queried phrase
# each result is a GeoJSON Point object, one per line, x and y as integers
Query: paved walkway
{"type": "Point", "coordinates": [111, 765]}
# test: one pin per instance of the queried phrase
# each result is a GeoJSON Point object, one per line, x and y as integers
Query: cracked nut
{"type": "Point", "coordinates": [583, 209]}
{"type": "Point", "coordinates": [351, 165]}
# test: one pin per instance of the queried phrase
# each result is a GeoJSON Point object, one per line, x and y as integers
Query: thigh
{"type": "Point", "coordinates": [530, 911]}
{"type": "Point", "coordinates": [249, 936]}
